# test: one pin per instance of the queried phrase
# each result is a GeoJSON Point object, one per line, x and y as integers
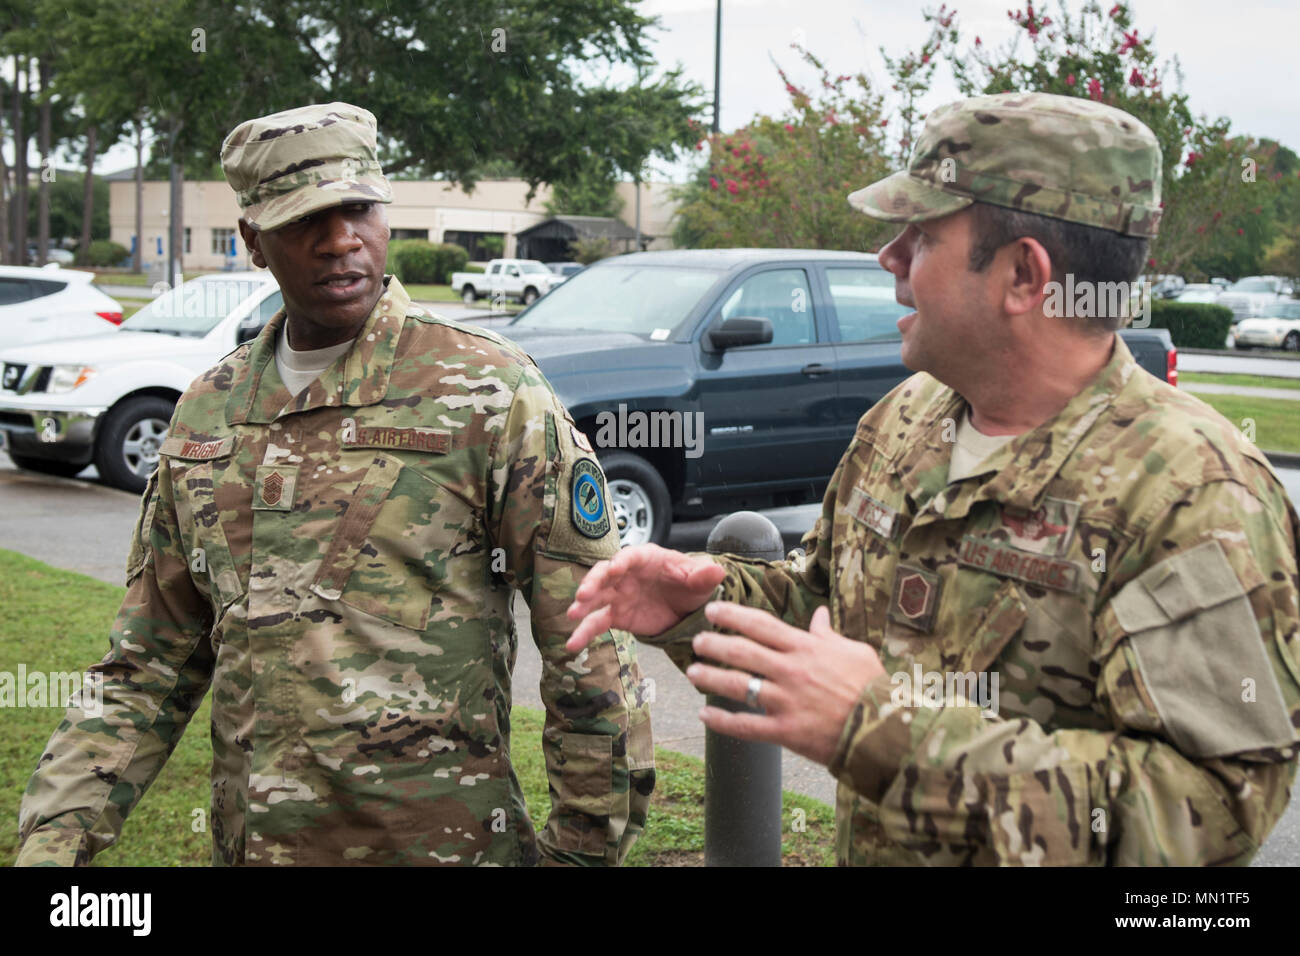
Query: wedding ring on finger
{"type": "Point", "coordinates": [751, 695]}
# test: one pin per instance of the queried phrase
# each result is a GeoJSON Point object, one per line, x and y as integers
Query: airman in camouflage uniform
{"type": "Point", "coordinates": [1126, 570]}
{"type": "Point", "coordinates": [338, 566]}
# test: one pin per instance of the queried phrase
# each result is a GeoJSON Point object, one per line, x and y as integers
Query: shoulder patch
{"type": "Point", "coordinates": [588, 508]}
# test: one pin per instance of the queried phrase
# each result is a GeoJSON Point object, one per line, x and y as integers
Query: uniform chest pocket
{"type": "Point", "coordinates": [393, 549]}
{"type": "Point", "coordinates": [194, 481]}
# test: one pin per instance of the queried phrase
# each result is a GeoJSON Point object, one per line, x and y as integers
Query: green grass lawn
{"type": "Point", "coordinates": [442, 293]}
{"type": "Point", "coordinates": [1276, 420]}
{"type": "Point", "coordinates": [56, 620]}
{"type": "Point", "coordinates": [133, 278]}
{"type": "Point", "coordinates": [1247, 381]}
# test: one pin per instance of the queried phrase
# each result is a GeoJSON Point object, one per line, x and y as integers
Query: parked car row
{"type": "Point", "coordinates": [1263, 307]}
{"type": "Point", "coordinates": [708, 380]}
{"type": "Point", "coordinates": [108, 399]}
{"type": "Point", "coordinates": [37, 305]}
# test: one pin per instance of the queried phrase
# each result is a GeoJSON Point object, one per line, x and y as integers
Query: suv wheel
{"type": "Point", "coordinates": [638, 499]}
{"type": "Point", "coordinates": [47, 466]}
{"type": "Point", "coordinates": [126, 452]}
{"type": "Point", "coordinates": [468, 295]}
{"type": "Point", "coordinates": [530, 295]}
{"type": "Point", "coordinates": [1292, 342]}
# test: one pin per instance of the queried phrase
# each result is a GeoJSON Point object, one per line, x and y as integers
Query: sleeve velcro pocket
{"type": "Point", "coordinates": [1201, 656]}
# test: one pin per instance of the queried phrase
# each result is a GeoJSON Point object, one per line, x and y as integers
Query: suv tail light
{"type": "Point", "coordinates": [114, 317]}
{"type": "Point", "coordinates": [1171, 371]}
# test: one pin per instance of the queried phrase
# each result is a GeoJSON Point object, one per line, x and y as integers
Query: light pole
{"type": "Point", "coordinates": [717, 68]}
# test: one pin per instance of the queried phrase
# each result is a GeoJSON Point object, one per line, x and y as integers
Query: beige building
{"type": "Point", "coordinates": [421, 209]}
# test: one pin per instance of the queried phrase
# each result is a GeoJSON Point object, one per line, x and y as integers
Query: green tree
{"type": "Point", "coordinates": [455, 83]}
{"type": "Point", "coordinates": [66, 197]}
{"type": "Point", "coordinates": [1102, 54]}
{"type": "Point", "coordinates": [783, 181]}
{"type": "Point", "coordinates": [592, 191]}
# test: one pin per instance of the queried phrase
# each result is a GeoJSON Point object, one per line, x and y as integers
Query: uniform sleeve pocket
{"type": "Point", "coordinates": [1201, 657]}
{"type": "Point", "coordinates": [584, 798]}
{"type": "Point", "coordinates": [587, 773]}
{"type": "Point", "coordinates": [1042, 817]}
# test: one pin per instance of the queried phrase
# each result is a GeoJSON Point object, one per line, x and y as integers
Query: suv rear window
{"type": "Point", "coordinates": [45, 287]}
{"type": "Point", "coordinates": [13, 291]}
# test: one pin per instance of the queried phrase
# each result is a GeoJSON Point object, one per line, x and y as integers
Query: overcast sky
{"type": "Point", "coordinates": [1238, 59]}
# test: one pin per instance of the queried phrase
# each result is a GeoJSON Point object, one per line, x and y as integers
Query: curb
{"type": "Point", "coordinates": [1282, 459]}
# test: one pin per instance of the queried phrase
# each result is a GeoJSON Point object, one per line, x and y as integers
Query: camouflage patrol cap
{"type": "Point", "coordinates": [297, 162]}
{"type": "Point", "coordinates": [1058, 156]}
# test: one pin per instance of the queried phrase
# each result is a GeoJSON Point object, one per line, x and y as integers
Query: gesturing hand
{"type": "Point", "coordinates": [644, 589]}
{"type": "Point", "coordinates": [811, 679]}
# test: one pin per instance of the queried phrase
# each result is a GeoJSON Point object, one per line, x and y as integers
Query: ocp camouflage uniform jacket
{"type": "Point", "coordinates": [1126, 571]}
{"type": "Point", "coordinates": [338, 566]}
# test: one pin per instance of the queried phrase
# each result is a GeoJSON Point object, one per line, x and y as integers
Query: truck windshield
{"type": "Point", "coordinates": [651, 301]}
{"type": "Point", "coordinates": [193, 308]}
{"type": "Point", "coordinates": [533, 267]}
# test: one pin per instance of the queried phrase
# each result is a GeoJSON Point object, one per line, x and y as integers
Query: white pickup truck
{"type": "Point", "coordinates": [524, 279]}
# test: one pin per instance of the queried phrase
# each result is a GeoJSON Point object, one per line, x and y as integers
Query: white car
{"type": "Point", "coordinates": [37, 305]}
{"type": "Point", "coordinates": [524, 279]}
{"type": "Point", "coordinates": [108, 399]}
{"type": "Point", "coordinates": [1279, 328]}
{"type": "Point", "coordinates": [1199, 292]}
{"type": "Point", "coordinates": [1254, 296]}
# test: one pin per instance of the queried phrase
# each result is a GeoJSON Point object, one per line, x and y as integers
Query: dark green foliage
{"type": "Point", "coordinates": [1193, 325]}
{"type": "Point", "coordinates": [104, 253]}
{"type": "Point", "coordinates": [418, 261]}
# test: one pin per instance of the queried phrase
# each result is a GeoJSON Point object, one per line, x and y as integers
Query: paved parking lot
{"type": "Point", "coordinates": [82, 526]}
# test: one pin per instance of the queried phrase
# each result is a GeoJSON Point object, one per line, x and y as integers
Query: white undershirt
{"type": "Point", "coordinates": [299, 369]}
{"type": "Point", "coordinates": [971, 449]}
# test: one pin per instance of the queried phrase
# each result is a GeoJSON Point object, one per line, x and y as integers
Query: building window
{"type": "Point", "coordinates": [409, 234]}
{"type": "Point", "coordinates": [187, 240]}
{"type": "Point", "coordinates": [221, 242]}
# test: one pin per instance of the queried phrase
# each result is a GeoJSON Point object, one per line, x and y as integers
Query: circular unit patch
{"type": "Point", "coordinates": [587, 502]}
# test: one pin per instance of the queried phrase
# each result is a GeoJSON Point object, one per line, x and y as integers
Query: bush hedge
{"type": "Point", "coordinates": [1192, 325]}
{"type": "Point", "coordinates": [452, 258]}
{"type": "Point", "coordinates": [422, 261]}
{"type": "Point", "coordinates": [103, 253]}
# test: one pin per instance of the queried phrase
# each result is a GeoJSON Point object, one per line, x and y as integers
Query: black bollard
{"type": "Point", "coordinates": [742, 779]}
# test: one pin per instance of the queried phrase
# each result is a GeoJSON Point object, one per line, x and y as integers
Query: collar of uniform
{"type": "Point", "coordinates": [359, 378]}
{"type": "Point", "coordinates": [922, 465]}
{"type": "Point", "coordinates": [1024, 467]}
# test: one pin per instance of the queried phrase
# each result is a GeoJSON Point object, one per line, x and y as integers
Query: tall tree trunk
{"type": "Point", "coordinates": [88, 196]}
{"type": "Point", "coordinates": [137, 260]}
{"type": "Point", "coordinates": [6, 255]}
{"type": "Point", "coordinates": [20, 165]}
{"type": "Point", "coordinates": [47, 170]}
{"type": "Point", "coordinates": [175, 213]}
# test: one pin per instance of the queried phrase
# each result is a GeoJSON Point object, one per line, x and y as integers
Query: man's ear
{"type": "Point", "coordinates": [253, 242]}
{"type": "Point", "coordinates": [1028, 269]}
